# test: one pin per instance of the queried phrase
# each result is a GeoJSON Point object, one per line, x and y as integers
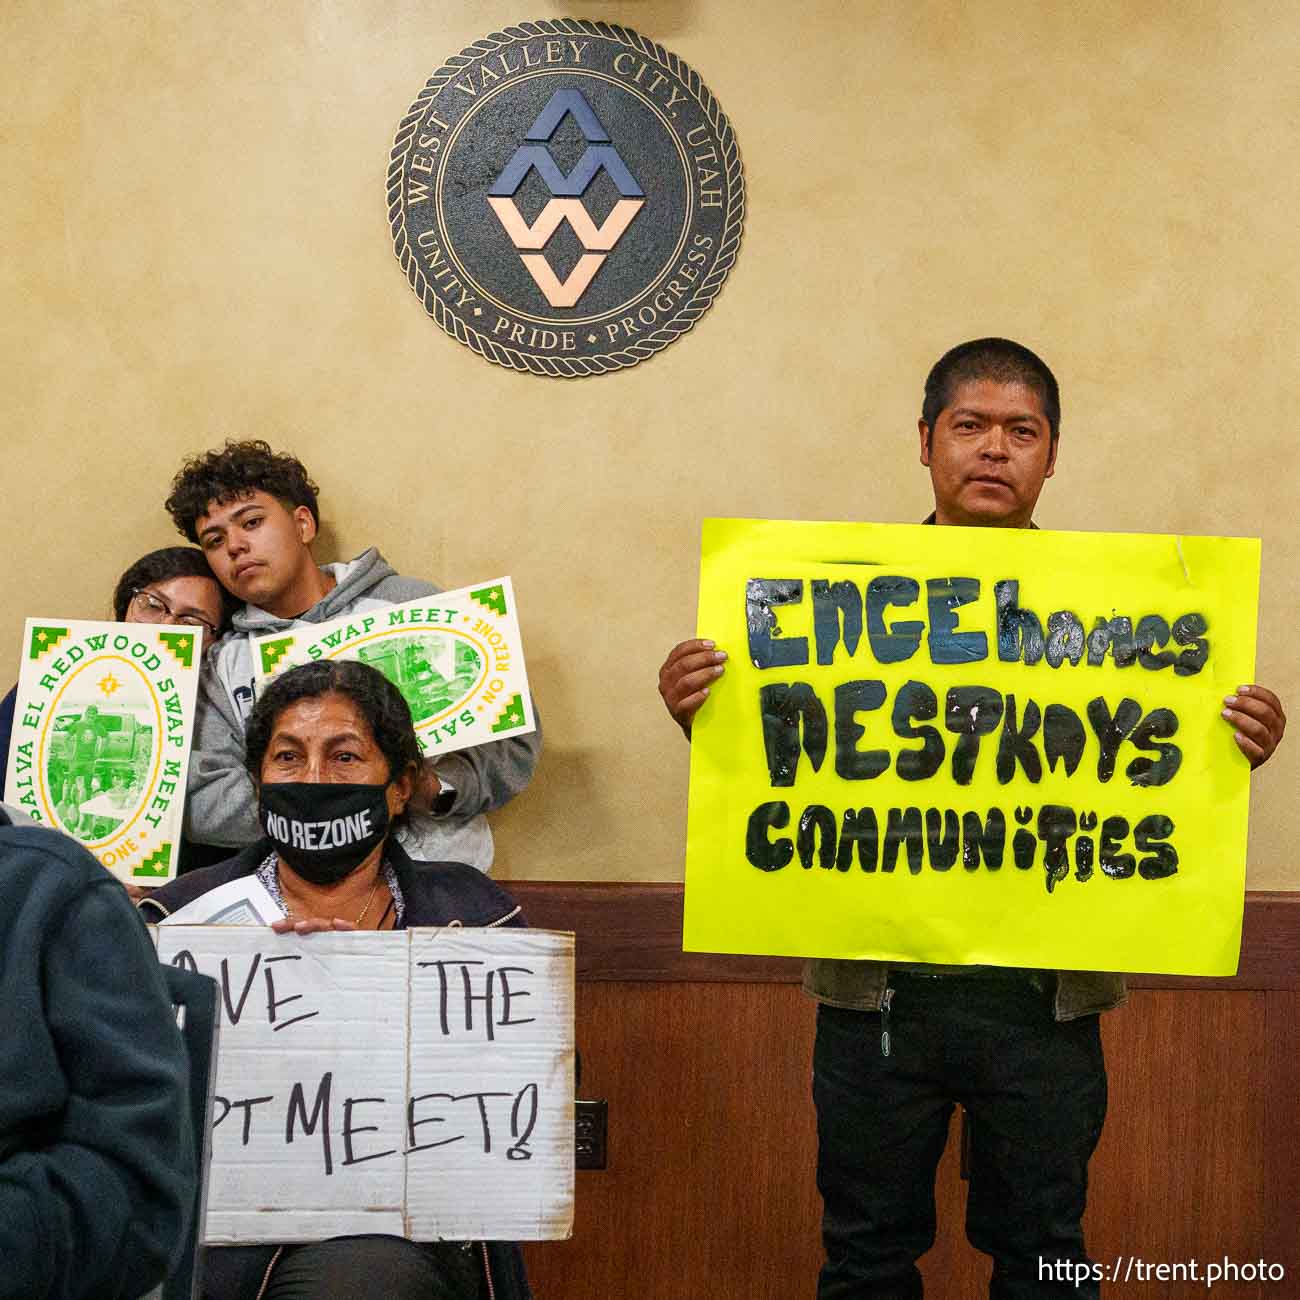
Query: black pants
{"type": "Point", "coordinates": [1035, 1092]}
{"type": "Point", "coordinates": [386, 1268]}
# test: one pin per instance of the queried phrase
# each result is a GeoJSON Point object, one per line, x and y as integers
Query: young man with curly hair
{"type": "Point", "coordinates": [254, 513]}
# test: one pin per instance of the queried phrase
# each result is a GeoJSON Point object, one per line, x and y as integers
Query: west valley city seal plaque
{"type": "Point", "coordinates": [566, 197]}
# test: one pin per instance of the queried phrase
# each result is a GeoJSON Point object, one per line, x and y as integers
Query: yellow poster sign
{"type": "Point", "coordinates": [971, 745]}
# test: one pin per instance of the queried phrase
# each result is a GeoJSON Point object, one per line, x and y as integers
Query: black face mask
{"type": "Point", "coordinates": [324, 830]}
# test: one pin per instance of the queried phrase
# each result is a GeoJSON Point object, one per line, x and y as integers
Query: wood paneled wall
{"type": "Point", "coordinates": [705, 1063]}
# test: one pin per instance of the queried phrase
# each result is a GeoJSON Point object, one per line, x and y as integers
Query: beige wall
{"type": "Point", "coordinates": [196, 244]}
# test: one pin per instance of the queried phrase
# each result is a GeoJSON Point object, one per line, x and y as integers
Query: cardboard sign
{"type": "Point", "coordinates": [456, 658]}
{"type": "Point", "coordinates": [101, 738]}
{"type": "Point", "coordinates": [965, 745]}
{"type": "Point", "coordinates": [418, 1083]}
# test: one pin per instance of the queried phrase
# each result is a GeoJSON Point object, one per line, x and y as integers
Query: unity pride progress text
{"type": "Point", "coordinates": [801, 719]}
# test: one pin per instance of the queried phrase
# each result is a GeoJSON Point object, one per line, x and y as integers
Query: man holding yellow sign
{"type": "Point", "coordinates": [951, 787]}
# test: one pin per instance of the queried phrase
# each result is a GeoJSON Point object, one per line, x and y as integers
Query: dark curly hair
{"type": "Point", "coordinates": [236, 470]}
{"type": "Point", "coordinates": [1003, 361]}
{"type": "Point", "coordinates": [378, 701]}
{"type": "Point", "coordinates": [162, 566]}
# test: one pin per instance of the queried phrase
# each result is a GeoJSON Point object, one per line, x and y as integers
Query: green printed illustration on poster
{"type": "Point", "coordinates": [101, 740]}
{"type": "Point", "coordinates": [456, 657]}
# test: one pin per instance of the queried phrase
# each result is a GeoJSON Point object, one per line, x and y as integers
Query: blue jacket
{"type": "Point", "coordinates": [436, 893]}
{"type": "Point", "coordinates": [97, 1169]}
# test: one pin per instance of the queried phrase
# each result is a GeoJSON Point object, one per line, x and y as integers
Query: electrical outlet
{"type": "Point", "coordinates": [591, 1125]}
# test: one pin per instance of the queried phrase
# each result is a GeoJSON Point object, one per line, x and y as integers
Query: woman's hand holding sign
{"type": "Point", "coordinates": [1257, 719]}
{"type": "Point", "coordinates": [310, 925]}
{"type": "Point", "coordinates": [685, 678]}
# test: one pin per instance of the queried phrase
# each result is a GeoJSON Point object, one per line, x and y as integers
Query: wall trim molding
{"type": "Point", "coordinates": [632, 931]}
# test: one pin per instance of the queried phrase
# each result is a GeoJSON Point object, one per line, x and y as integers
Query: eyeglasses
{"type": "Point", "coordinates": [154, 609]}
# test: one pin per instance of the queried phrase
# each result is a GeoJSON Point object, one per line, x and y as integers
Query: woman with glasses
{"type": "Point", "coordinates": [173, 585]}
{"type": "Point", "coordinates": [189, 603]}
{"type": "Point", "coordinates": [176, 586]}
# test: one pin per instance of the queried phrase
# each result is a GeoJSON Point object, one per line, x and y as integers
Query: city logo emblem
{"type": "Point", "coordinates": [566, 197]}
{"type": "Point", "coordinates": [597, 241]}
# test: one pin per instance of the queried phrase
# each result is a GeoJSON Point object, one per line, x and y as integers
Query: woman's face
{"type": "Point", "coordinates": [324, 738]}
{"type": "Point", "coordinates": [178, 601]}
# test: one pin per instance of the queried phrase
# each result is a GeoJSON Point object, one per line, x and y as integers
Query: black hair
{"type": "Point", "coordinates": [1001, 360]}
{"type": "Point", "coordinates": [162, 566]}
{"type": "Point", "coordinates": [378, 701]}
{"type": "Point", "coordinates": [233, 472]}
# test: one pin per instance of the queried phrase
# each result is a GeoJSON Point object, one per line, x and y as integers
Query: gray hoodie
{"type": "Point", "coordinates": [221, 805]}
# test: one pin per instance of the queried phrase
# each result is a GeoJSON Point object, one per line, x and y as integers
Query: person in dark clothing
{"type": "Point", "coordinates": [333, 742]}
{"type": "Point", "coordinates": [97, 1166]}
{"type": "Point", "coordinates": [1019, 1050]}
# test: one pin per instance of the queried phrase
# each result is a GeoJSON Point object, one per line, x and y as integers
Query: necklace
{"type": "Point", "coordinates": [370, 898]}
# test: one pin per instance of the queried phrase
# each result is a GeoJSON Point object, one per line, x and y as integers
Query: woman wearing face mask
{"type": "Point", "coordinates": [333, 742]}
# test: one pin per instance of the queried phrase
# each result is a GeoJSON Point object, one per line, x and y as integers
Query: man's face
{"type": "Point", "coordinates": [989, 453]}
{"type": "Point", "coordinates": [256, 547]}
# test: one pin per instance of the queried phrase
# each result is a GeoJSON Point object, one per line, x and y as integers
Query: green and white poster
{"type": "Point", "coordinates": [455, 657]}
{"type": "Point", "coordinates": [101, 738]}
